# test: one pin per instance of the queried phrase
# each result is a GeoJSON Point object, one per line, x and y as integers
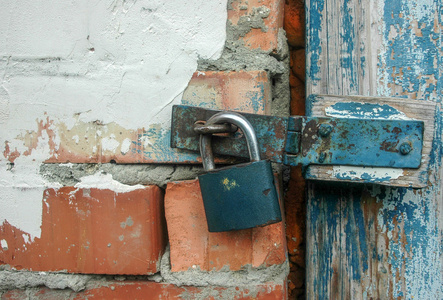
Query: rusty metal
{"type": "Point", "coordinates": [227, 119]}
{"type": "Point", "coordinates": [359, 142]}
{"type": "Point", "coordinates": [201, 127]}
{"type": "Point", "coordinates": [271, 133]}
{"type": "Point", "coordinates": [311, 140]}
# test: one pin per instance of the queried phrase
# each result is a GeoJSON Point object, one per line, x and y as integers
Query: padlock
{"type": "Point", "coordinates": [239, 196]}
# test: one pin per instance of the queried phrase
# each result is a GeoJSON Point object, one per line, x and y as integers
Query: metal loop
{"type": "Point", "coordinates": [231, 118]}
{"type": "Point", "coordinates": [214, 128]}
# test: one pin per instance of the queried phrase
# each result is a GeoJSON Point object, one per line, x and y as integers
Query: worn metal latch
{"type": "Point", "coordinates": [299, 140]}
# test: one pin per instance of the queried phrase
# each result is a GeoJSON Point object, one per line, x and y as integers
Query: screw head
{"type": "Point", "coordinates": [322, 157]}
{"type": "Point", "coordinates": [325, 130]}
{"type": "Point", "coordinates": [405, 148]}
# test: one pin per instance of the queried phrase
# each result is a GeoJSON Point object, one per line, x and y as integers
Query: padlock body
{"type": "Point", "coordinates": [240, 196]}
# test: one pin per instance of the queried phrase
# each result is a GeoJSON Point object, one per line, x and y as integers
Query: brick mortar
{"type": "Point", "coordinates": [12, 279]}
{"type": "Point", "coordinates": [224, 277]}
{"type": "Point", "coordinates": [129, 174]}
{"type": "Point", "coordinates": [235, 57]}
{"type": "Point", "coordinates": [26, 280]}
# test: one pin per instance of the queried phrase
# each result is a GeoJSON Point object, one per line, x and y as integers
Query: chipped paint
{"type": "Point", "coordinates": [110, 144]}
{"type": "Point", "coordinates": [411, 53]}
{"type": "Point", "coordinates": [355, 110]}
{"type": "Point", "coordinates": [4, 244]}
{"type": "Point", "coordinates": [371, 241]}
{"type": "Point", "coordinates": [358, 110]}
{"type": "Point", "coordinates": [126, 144]}
{"type": "Point", "coordinates": [367, 174]}
{"type": "Point", "coordinates": [82, 86]}
{"type": "Point", "coordinates": [315, 11]}
{"type": "Point", "coordinates": [105, 181]}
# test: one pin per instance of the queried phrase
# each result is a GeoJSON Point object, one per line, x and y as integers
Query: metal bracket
{"type": "Point", "coordinates": [310, 140]}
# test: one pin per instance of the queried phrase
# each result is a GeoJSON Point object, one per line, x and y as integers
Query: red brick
{"type": "Point", "coordinates": [92, 231]}
{"type": "Point", "coordinates": [298, 64]}
{"type": "Point", "coordinates": [295, 208]}
{"type": "Point", "coordinates": [14, 295]}
{"type": "Point", "coordinates": [296, 276]}
{"type": "Point", "coordinates": [294, 23]}
{"type": "Point", "coordinates": [265, 38]}
{"type": "Point", "coordinates": [246, 91]}
{"type": "Point", "coordinates": [298, 96]}
{"type": "Point", "coordinates": [192, 245]}
{"type": "Point", "coordinates": [151, 290]}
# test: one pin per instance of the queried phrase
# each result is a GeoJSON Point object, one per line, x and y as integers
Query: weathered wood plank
{"type": "Point", "coordinates": [372, 241]}
{"type": "Point", "coordinates": [376, 108]}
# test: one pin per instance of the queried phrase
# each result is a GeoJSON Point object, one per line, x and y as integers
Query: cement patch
{"type": "Point", "coordinates": [129, 174]}
{"type": "Point", "coordinates": [22, 279]}
{"type": "Point", "coordinates": [224, 277]}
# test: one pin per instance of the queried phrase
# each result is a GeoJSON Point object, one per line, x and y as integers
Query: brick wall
{"type": "Point", "coordinates": [137, 231]}
{"type": "Point", "coordinates": [295, 202]}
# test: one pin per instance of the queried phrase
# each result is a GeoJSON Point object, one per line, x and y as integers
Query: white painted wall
{"type": "Point", "coordinates": [80, 61]}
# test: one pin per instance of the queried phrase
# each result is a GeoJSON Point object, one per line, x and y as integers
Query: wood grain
{"type": "Point", "coordinates": [369, 241]}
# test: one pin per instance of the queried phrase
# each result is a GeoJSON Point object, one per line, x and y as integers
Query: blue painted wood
{"type": "Point", "coordinates": [369, 241]}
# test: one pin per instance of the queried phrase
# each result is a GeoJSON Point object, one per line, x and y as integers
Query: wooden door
{"type": "Point", "coordinates": [370, 241]}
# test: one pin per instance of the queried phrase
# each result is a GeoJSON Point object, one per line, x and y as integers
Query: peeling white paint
{"type": "Point", "coordinates": [126, 144]}
{"type": "Point", "coordinates": [4, 244]}
{"type": "Point", "coordinates": [22, 187]}
{"type": "Point", "coordinates": [146, 141]}
{"type": "Point", "coordinates": [82, 61]}
{"type": "Point", "coordinates": [76, 139]}
{"type": "Point", "coordinates": [110, 143]}
{"type": "Point", "coordinates": [25, 238]}
{"type": "Point", "coordinates": [105, 181]}
{"type": "Point", "coordinates": [369, 173]}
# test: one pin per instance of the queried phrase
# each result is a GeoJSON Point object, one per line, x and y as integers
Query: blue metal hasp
{"type": "Point", "coordinates": [310, 140]}
{"type": "Point", "coordinates": [240, 196]}
{"type": "Point", "coordinates": [358, 142]}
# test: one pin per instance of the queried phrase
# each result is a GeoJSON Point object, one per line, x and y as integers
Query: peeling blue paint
{"type": "Point", "coordinates": [414, 252]}
{"type": "Point", "coordinates": [257, 98]}
{"type": "Point", "coordinates": [365, 111]}
{"type": "Point", "coordinates": [324, 214]}
{"type": "Point", "coordinates": [356, 248]}
{"type": "Point", "coordinates": [366, 177]}
{"type": "Point", "coordinates": [347, 62]}
{"type": "Point", "coordinates": [400, 227]}
{"type": "Point", "coordinates": [314, 43]}
{"type": "Point", "coordinates": [411, 57]}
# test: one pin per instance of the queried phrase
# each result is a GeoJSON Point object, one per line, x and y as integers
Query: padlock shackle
{"type": "Point", "coordinates": [231, 118]}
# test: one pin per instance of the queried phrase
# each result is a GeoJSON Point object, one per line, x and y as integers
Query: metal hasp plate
{"type": "Point", "coordinates": [311, 140]}
{"type": "Point", "coordinates": [271, 133]}
{"type": "Point", "coordinates": [357, 142]}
